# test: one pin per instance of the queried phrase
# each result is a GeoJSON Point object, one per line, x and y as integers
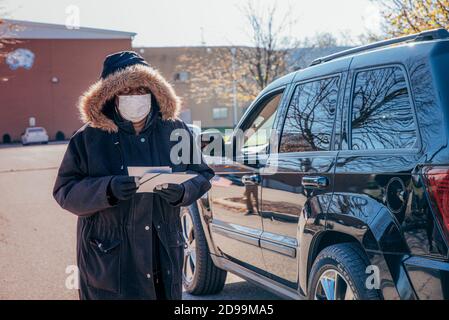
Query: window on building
{"type": "Point", "coordinates": [310, 117]}
{"type": "Point", "coordinates": [382, 116]}
{"type": "Point", "coordinates": [219, 113]}
{"type": "Point", "coordinates": [182, 76]}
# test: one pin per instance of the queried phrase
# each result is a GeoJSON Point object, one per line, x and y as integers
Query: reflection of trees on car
{"type": "Point", "coordinates": [309, 121]}
{"type": "Point", "coordinates": [381, 114]}
{"type": "Point", "coordinates": [382, 117]}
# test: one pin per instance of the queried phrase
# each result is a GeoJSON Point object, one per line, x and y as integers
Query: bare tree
{"type": "Point", "coordinates": [251, 68]}
{"type": "Point", "coordinates": [320, 40]}
{"type": "Point", "coordinates": [271, 45]}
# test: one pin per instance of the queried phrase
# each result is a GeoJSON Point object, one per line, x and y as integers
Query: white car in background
{"type": "Point", "coordinates": [34, 135]}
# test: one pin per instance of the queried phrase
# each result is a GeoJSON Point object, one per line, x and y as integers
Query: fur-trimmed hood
{"type": "Point", "coordinates": [92, 102]}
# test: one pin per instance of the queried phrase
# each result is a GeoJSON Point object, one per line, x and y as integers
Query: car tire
{"type": "Point", "coordinates": [339, 273]}
{"type": "Point", "coordinates": [205, 278]}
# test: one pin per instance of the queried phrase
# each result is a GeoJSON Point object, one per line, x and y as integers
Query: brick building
{"type": "Point", "coordinates": [44, 72]}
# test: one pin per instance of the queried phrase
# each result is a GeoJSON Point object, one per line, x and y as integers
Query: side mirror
{"type": "Point", "coordinates": [212, 143]}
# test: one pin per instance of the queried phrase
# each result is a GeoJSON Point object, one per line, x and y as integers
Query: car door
{"type": "Point", "coordinates": [235, 194]}
{"type": "Point", "coordinates": [300, 176]}
{"type": "Point", "coordinates": [376, 169]}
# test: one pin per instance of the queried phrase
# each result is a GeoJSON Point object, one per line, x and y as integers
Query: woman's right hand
{"type": "Point", "coordinates": [123, 187]}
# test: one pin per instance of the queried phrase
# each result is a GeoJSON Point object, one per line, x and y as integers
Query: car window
{"type": "Point", "coordinates": [258, 133]}
{"type": "Point", "coordinates": [35, 130]}
{"type": "Point", "coordinates": [382, 116]}
{"type": "Point", "coordinates": [310, 117]}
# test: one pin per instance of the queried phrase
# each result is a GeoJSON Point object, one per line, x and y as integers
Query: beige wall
{"type": "Point", "coordinates": [167, 61]}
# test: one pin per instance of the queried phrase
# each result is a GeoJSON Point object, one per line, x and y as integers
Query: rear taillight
{"type": "Point", "coordinates": [437, 180]}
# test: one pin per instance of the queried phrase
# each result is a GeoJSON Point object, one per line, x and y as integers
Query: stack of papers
{"type": "Point", "coordinates": [150, 177]}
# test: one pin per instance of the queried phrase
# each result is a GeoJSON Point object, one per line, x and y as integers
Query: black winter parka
{"type": "Point", "coordinates": [114, 240]}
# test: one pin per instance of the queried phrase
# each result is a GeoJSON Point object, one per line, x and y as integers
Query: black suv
{"type": "Point", "coordinates": [351, 198]}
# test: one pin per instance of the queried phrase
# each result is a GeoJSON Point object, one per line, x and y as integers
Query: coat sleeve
{"type": "Point", "coordinates": [198, 186]}
{"type": "Point", "coordinates": [74, 190]}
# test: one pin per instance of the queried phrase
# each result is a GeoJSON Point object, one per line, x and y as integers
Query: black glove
{"type": "Point", "coordinates": [173, 193]}
{"type": "Point", "coordinates": [122, 187]}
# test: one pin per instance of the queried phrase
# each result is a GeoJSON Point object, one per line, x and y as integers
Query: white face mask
{"type": "Point", "coordinates": [134, 108]}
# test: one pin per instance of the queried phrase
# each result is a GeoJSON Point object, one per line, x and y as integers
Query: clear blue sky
{"type": "Point", "coordinates": [179, 22]}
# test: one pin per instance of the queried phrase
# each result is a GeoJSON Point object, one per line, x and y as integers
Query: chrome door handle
{"type": "Point", "coordinates": [315, 182]}
{"type": "Point", "coordinates": [251, 180]}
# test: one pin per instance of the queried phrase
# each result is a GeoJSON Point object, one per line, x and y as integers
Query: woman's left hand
{"type": "Point", "coordinates": [173, 193]}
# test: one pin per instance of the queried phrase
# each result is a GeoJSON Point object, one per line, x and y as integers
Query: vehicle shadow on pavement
{"type": "Point", "coordinates": [242, 290]}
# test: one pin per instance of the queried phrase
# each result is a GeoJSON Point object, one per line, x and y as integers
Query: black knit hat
{"type": "Point", "coordinates": [119, 61]}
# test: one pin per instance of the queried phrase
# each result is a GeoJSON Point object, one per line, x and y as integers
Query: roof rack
{"type": "Point", "coordinates": [423, 36]}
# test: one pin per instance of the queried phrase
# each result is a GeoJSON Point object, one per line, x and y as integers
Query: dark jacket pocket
{"type": "Point", "coordinates": [103, 265]}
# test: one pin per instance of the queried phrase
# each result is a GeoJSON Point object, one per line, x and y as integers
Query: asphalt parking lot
{"type": "Point", "coordinates": [37, 237]}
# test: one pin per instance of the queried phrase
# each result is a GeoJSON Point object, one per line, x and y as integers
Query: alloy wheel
{"type": "Point", "coordinates": [333, 286]}
{"type": "Point", "coordinates": [189, 263]}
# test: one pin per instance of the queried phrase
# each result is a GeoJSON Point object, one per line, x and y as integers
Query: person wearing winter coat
{"type": "Point", "coordinates": [129, 244]}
